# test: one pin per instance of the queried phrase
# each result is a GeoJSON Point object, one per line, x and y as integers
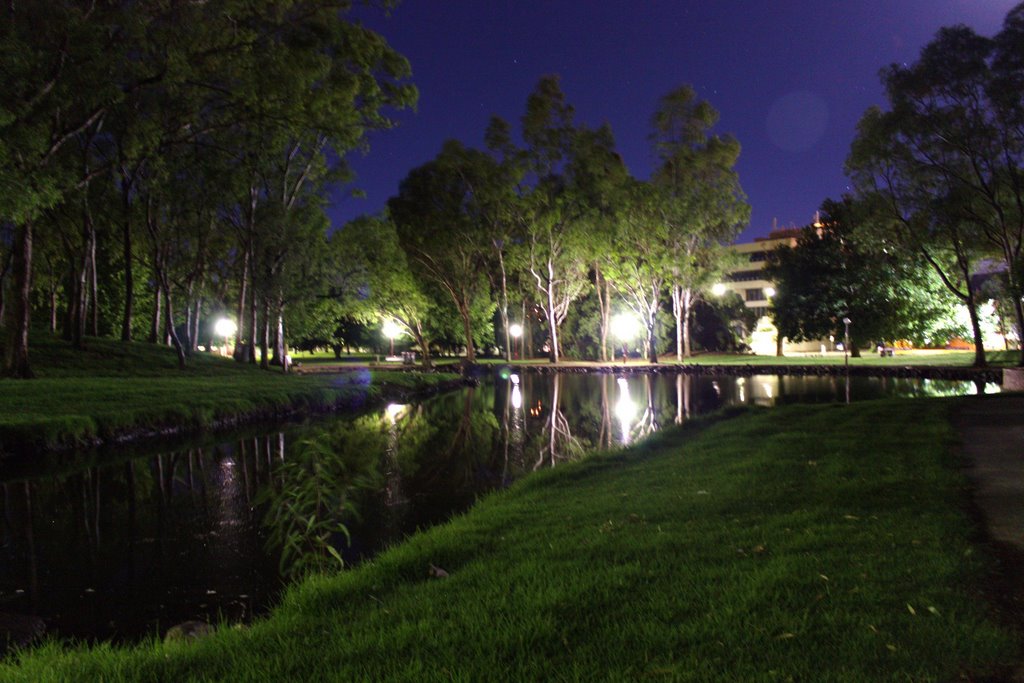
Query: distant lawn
{"type": "Point", "coordinates": [925, 358]}
{"type": "Point", "coordinates": [112, 388]}
{"type": "Point", "coordinates": [806, 543]}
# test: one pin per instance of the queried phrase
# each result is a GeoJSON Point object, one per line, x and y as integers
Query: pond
{"type": "Point", "coordinates": [215, 529]}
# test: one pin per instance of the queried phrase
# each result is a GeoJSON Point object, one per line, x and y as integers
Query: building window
{"type": "Point", "coordinates": [756, 294]}
{"type": "Point", "coordinates": [756, 256]}
{"type": "Point", "coordinates": [747, 276]}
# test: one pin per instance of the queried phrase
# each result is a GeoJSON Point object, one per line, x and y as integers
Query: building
{"type": "Point", "coordinates": [749, 281]}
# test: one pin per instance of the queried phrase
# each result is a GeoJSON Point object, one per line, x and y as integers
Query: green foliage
{"type": "Point", "coordinates": [945, 160]}
{"type": "Point", "coordinates": [312, 494]}
{"type": "Point", "coordinates": [837, 270]}
{"type": "Point", "coordinates": [181, 149]}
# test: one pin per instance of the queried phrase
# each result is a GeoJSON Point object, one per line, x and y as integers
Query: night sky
{"type": "Point", "coordinates": [790, 78]}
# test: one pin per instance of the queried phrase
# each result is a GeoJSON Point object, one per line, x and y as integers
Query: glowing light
{"type": "Point", "coordinates": [395, 411]}
{"type": "Point", "coordinates": [516, 330]}
{"type": "Point", "coordinates": [718, 289]}
{"type": "Point", "coordinates": [225, 327]}
{"type": "Point", "coordinates": [769, 292]}
{"type": "Point", "coordinates": [517, 396]}
{"type": "Point", "coordinates": [625, 409]}
{"type": "Point", "coordinates": [391, 329]}
{"type": "Point", "coordinates": [625, 326]}
{"type": "Point", "coordinates": [515, 379]}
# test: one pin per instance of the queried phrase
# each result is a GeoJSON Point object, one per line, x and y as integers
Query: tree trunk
{"type": "Point", "coordinates": [652, 342]}
{"type": "Point", "coordinates": [979, 342]}
{"type": "Point", "coordinates": [265, 336]}
{"type": "Point", "coordinates": [169, 326]}
{"type": "Point", "coordinates": [278, 353]}
{"type": "Point", "coordinates": [1018, 311]}
{"type": "Point", "coordinates": [16, 363]}
{"type": "Point", "coordinates": [421, 340]}
{"type": "Point", "coordinates": [126, 251]}
{"type": "Point", "coordinates": [552, 323]}
{"type": "Point", "coordinates": [250, 347]}
{"type": "Point", "coordinates": [154, 329]}
{"type": "Point", "coordinates": [604, 302]}
{"type": "Point", "coordinates": [503, 307]}
{"type": "Point", "coordinates": [467, 325]}
{"type": "Point", "coordinates": [94, 327]}
{"type": "Point", "coordinates": [243, 286]}
{"type": "Point", "coordinates": [197, 309]}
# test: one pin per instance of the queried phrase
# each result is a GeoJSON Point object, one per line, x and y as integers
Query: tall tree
{"type": "Point", "coordinates": [696, 193]}
{"type": "Point", "coordinates": [946, 158]}
{"type": "Point", "coordinates": [556, 246]}
{"type": "Point", "coordinates": [443, 226]}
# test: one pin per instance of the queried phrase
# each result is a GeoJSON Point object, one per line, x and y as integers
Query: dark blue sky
{"type": "Point", "coordinates": [790, 79]}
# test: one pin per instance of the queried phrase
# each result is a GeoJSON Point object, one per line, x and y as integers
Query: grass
{"type": "Point", "coordinates": [824, 543]}
{"type": "Point", "coordinates": [911, 357]}
{"type": "Point", "coordinates": [114, 388]}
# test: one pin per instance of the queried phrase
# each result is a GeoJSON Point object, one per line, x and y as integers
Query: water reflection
{"type": "Point", "coordinates": [138, 543]}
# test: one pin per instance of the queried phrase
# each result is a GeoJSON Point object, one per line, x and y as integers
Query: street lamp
{"type": "Point", "coordinates": [718, 289]}
{"type": "Point", "coordinates": [516, 330]}
{"type": "Point", "coordinates": [224, 328]}
{"type": "Point", "coordinates": [624, 326]}
{"type": "Point", "coordinates": [769, 292]}
{"type": "Point", "coordinates": [391, 330]}
{"type": "Point", "coordinates": [846, 343]}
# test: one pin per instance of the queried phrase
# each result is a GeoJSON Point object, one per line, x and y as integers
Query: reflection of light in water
{"type": "Point", "coordinates": [625, 409]}
{"type": "Point", "coordinates": [741, 384]}
{"type": "Point", "coordinates": [517, 397]}
{"type": "Point", "coordinates": [395, 411]}
{"type": "Point", "coordinates": [231, 501]}
{"type": "Point", "coordinates": [767, 390]}
{"type": "Point", "coordinates": [718, 389]}
{"type": "Point", "coordinates": [515, 379]}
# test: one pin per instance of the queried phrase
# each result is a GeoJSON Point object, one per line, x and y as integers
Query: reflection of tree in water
{"type": "Point", "coordinates": [556, 440]}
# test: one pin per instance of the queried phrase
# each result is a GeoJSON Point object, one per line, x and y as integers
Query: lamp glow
{"type": "Point", "coordinates": [718, 289]}
{"type": "Point", "coordinates": [625, 326]}
{"type": "Point", "coordinates": [225, 327]}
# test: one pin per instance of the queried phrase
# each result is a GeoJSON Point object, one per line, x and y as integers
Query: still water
{"type": "Point", "coordinates": [214, 529]}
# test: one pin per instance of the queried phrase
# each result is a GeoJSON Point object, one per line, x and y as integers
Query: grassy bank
{"type": "Point", "coordinates": [824, 543]}
{"type": "Point", "coordinates": [111, 389]}
{"type": "Point", "coordinates": [912, 357]}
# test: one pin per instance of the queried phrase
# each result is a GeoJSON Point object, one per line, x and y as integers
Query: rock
{"type": "Point", "coordinates": [188, 630]}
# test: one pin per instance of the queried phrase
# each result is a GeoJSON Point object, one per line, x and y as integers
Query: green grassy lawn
{"type": "Point", "coordinates": [914, 357]}
{"type": "Point", "coordinates": [806, 543]}
{"type": "Point", "coordinates": [112, 388]}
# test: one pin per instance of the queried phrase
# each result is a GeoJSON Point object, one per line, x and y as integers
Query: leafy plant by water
{"type": "Point", "coordinates": [313, 493]}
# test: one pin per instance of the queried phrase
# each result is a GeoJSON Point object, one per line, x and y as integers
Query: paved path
{"type": "Point", "coordinates": [992, 429]}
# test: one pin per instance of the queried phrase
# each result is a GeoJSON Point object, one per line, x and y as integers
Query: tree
{"type": "Point", "coordinates": [836, 271]}
{"type": "Point", "coordinates": [96, 93]}
{"type": "Point", "coordinates": [383, 287]}
{"type": "Point", "coordinates": [946, 158]}
{"type": "Point", "coordinates": [557, 247]}
{"type": "Point", "coordinates": [696, 194]}
{"type": "Point", "coordinates": [441, 217]}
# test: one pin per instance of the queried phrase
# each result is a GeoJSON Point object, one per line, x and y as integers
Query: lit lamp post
{"type": "Point", "coordinates": [516, 331]}
{"type": "Point", "coordinates": [718, 289]}
{"type": "Point", "coordinates": [846, 343]}
{"type": "Point", "coordinates": [624, 326]}
{"type": "Point", "coordinates": [224, 328]}
{"type": "Point", "coordinates": [391, 330]}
